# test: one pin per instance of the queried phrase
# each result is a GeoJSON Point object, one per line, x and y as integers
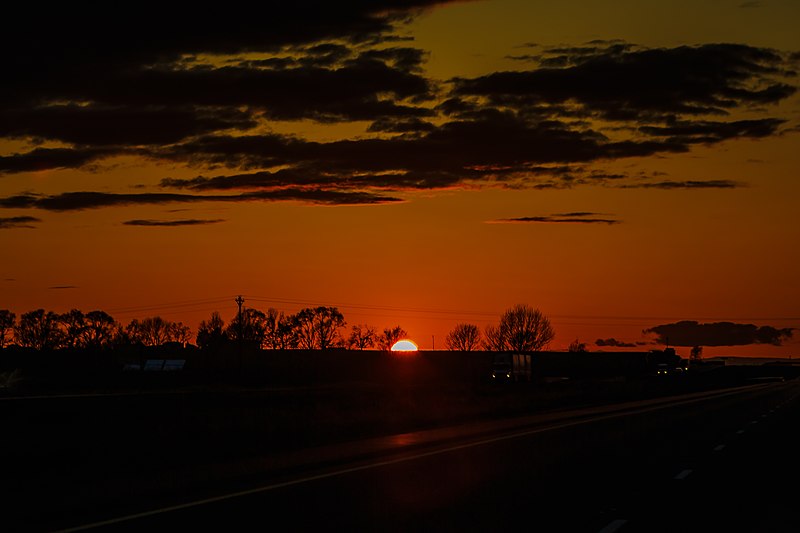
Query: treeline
{"type": "Point", "coordinates": [313, 328]}
{"type": "Point", "coordinates": [521, 328]}
{"type": "Point", "coordinates": [46, 330]}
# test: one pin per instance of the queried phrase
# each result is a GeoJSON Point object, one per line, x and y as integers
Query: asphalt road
{"type": "Point", "coordinates": [709, 461]}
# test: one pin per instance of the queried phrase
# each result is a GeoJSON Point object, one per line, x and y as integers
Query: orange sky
{"type": "Point", "coordinates": [657, 211]}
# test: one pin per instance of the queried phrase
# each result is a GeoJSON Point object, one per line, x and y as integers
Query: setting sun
{"type": "Point", "coordinates": [404, 346]}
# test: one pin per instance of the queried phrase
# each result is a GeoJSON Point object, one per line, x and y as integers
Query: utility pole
{"type": "Point", "coordinates": [239, 301]}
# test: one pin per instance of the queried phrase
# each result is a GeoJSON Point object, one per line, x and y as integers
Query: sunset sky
{"type": "Point", "coordinates": [622, 165]}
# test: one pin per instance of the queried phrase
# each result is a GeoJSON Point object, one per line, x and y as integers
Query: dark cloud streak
{"type": "Point", "coordinates": [643, 84]}
{"type": "Point", "coordinates": [172, 223]}
{"type": "Point", "coordinates": [614, 343]}
{"type": "Point", "coordinates": [18, 222]}
{"type": "Point", "coordinates": [564, 218]}
{"type": "Point", "coordinates": [77, 201]}
{"type": "Point", "coordinates": [691, 333]}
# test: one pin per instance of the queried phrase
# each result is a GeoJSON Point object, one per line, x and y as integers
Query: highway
{"type": "Point", "coordinates": [706, 461]}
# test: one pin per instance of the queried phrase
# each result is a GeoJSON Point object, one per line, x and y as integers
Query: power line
{"type": "Point", "coordinates": [428, 313]}
{"type": "Point", "coordinates": [170, 305]}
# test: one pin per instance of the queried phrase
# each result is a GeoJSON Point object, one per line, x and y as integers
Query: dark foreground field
{"type": "Point", "coordinates": [177, 416]}
{"type": "Point", "coordinates": [142, 415]}
{"type": "Point", "coordinates": [73, 439]}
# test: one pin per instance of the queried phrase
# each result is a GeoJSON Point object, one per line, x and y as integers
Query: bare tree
{"type": "Point", "coordinates": [39, 330]}
{"type": "Point", "coordinates": [211, 332]}
{"type": "Point", "coordinates": [318, 327]}
{"type": "Point", "coordinates": [493, 339]}
{"type": "Point", "coordinates": [463, 338]}
{"type": "Point", "coordinates": [577, 346]}
{"type": "Point", "coordinates": [526, 328]}
{"type": "Point", "coordinates": [7, 321]}
{"type": "Point", "coordinates": [179, 332]}
{"type": "Point", "coordinates": [279, 332]}
{"type": "Point", "coordinates": [522, 329]}
{"type": "Point", "coordinates": [390, 336]}
{"type": "Point", "coordinates": [73, 327]}
{"type": "Point", "coordinates": [362, 336]}
{"type": "Point", "coordinates": [98, 331]}
{"type": "Point", "coordinates": [286, 336]}
{"type": "Point", "coordinates": [249, 326]}
{"type": "Point", "coordinates": [150, 331]}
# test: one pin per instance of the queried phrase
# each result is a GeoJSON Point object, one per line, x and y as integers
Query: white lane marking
{"type": "Point", "coordinates": [683, 474]}
{"type": "Point", "coordinates": [614, 525]}
{"type": "Point", "coordinates": [763, 416]}
{"type": "Point", "coordinates": [754, 422]}
{"type": "Point", "coordinates": [719, 448]}
{"type": "Point", "coordinates": [266, 488]}
{"type": "Point", "coordinates": [740, 432]}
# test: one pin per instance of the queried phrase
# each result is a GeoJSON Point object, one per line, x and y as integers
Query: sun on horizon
{"type": "Point", "coordinates": [404, 345]}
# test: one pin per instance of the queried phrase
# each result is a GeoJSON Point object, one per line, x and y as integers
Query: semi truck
{"type": "Point", "coordinates": [511, 367]}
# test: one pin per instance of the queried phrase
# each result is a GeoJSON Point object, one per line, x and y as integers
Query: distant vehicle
{"type": "Point", "coordinates": [662, 369]}
{"type": "Point", "coordinates": [511, 367]}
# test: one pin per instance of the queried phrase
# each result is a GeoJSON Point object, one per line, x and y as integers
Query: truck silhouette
{"type": "Point", "coordinates": [511, 367]}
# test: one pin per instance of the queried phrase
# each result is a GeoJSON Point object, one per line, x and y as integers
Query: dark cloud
{"type": "Point", "coordinates": [18, 222]}
{"type": "Point", "coordinates": [691, 333]}
{"type": "Point", "coordinates": [75, 44]}
{"type": "Point", "coordinates": [62, 287]}
{"type": "Point", "coordinates": [560, 57]}
{"type": "Point", "coordinates": [103, 91]}
{"type": "Point", "coordinates": [403, 58]}
{"type": "Point", "coordinates": [713, 131]}
{"type": "Point", "coordinates": [615, 343]}
{"type": "Point", "coordinates": [363, 88]}
{"type": "Point", "coordinates": [76, 201]}
{"type": "Point", "coordinates": [171, 223]}
{"type": "Point", "coordinates": [401, 125]}
{"type": "Point", "coordinates": [492, 142]}
{"type": "Point", "coordinates": [707, 184]}
{"type": "Point", "coordinates": [40, 159]}
{"type": "Point", "coordinates": [318, 178]}
{"type": "Point", "coordinates": [77, 58]}
{"type": "Point", "coordinates": [562, 218]}
{"type": "Point", "coordinates": [123, 125]}
{"type": "Point", "coordinates": [643, 83]}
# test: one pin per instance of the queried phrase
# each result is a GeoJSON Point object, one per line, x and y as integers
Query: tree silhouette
{"type": "Point", "coordinates": [249, 326]}
{"type": "Point", "coordinates": [361, 336]}
{"type": "Point", "coordinates": [7, 321]}
{"type": "Point", "coordinates": [318, 327]}
{"type": "Point", "coordinates": [279, 330]}
{"type": "Point", "coordinates": [463, 338]}
{"type": "Point", "coordinates": [38, 330]}
{"type": "Point", "coordinates": [493, 339]}
{"type": "Point", "coordinates": [156, 331]}
{"type": "Point", "coordinates": [390, 336]}
{"type": "Point", "coordinates": [73, 324]}
{"type": "Point", "coordinates": [99, 329]}
{"type": "Point", "coordinates": [696, 354]}
{"type": "Point", "coordinates": [151, 331]}
{"type": "Point", "coordinates": [94, 329]}
{"type": "Point", "coordinates": [522, 329]}
{"type": "Point", "coordinates": [577, 346]}
{"type": "Point", "coordinates": [211, 332]}
{"type": "Point", "coordinates": [179, 332]}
